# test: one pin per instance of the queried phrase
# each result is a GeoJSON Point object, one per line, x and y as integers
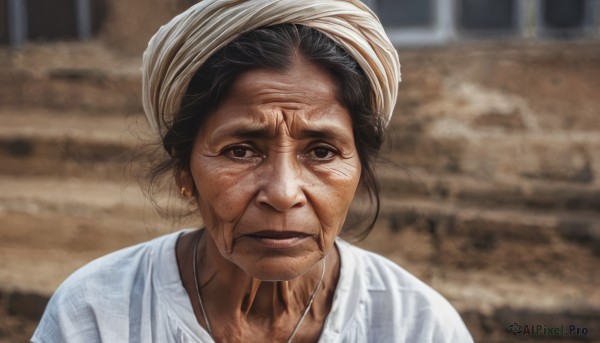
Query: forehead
{"type": "Point", "coordinates": [303, 82]}
{"type": "Point", "coordinates": [305, 95]}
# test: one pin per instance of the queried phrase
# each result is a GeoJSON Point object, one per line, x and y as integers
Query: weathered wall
{"type": "Point", "coordinates": [130, 24]}
{"type": "Point", "coordinates": [499, 147]}
{"type": "Point", "coordinates": [499, 111]}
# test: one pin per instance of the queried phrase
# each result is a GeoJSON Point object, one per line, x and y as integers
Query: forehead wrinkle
{"type": "Point", "coordinates": [266, 102]}
{"type": "Point", "coordinates": [285, 94]}
{"type": "Point", "coordinates": [239, 126]}
{"type": "Point", "coordinates": [265, 96]}
{"type": "Point", "coordinates": [259, 123]}
{"type": "Point", "coordinates": [317, 125]}
{"type": "Point", "coordinates": [267, 85]}
{"type": "Point", "coordinates": [277, 119]}
{"type": "Point", "coordinates": [274, 121]}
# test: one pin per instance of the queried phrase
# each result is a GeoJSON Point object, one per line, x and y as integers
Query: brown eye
{"type": "Point", "coordinates": [239, 152]}
{"type": "Point", "coordinates": [323, 153]}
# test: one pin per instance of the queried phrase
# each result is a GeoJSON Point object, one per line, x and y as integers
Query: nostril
{"type": "Point", "coordinates": [279, 200]}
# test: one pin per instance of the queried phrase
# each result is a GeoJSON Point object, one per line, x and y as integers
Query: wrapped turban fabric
{"type": "Point", "coordinates": [181, 46]}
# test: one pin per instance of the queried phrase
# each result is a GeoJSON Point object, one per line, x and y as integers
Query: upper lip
{"type": "Point", "coordinates": [277, 234]}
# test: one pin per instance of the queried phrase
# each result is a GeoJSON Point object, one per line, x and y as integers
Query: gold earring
{"type": "Point", "coordinates": [186, 193]}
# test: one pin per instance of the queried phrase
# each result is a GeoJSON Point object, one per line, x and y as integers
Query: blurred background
{"type": "Point", "coordinates": [492, 195]}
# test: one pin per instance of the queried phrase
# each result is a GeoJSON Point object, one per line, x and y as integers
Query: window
{"type": "Point", "coordinates": [563, 14]}
{"type": "Point", "coordinates": [488, 17]}
{"type": "Point", "coordinates": [405, 13]}
{"type": "Point", "coordinates": [415, 22]}
{"type": "Point", "coordinates": [565, 19]}
{"type": "Point", "coordinates": [51, 20]}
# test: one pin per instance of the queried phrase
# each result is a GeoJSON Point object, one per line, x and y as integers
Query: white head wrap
{"type": "Point", "coordinates": [180, 47]}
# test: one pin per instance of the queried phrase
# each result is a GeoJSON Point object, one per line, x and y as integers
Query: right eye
{"type": "Point", "coordinates": [240, 152]}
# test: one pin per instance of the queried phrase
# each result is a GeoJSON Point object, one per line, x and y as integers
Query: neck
{"type": "Point", "coordinates": [229, 293]}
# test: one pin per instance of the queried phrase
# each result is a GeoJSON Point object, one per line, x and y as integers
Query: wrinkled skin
{"type": "Point", "coordinates": [279, 155]}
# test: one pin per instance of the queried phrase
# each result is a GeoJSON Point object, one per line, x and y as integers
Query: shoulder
{"type": "Point", "coordinates": [396, 303]}
{"type": "Point", "coordinates": [101, 294]}
{"type": "Point", "coordinates": [112, 273]}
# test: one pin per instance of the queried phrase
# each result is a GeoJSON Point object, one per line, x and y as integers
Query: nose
{"type": "Point", "coordinates": [281, 184]}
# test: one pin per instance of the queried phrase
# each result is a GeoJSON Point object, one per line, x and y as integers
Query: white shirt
{"type": "Point", "coordinates": [136, 295]}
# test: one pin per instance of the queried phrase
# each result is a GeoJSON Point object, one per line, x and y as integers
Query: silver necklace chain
{"type": "Point", "coordinates": [205, 316]}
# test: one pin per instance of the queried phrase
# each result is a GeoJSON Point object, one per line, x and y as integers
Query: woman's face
{"type": "Point", "coordinates": [275, 169]}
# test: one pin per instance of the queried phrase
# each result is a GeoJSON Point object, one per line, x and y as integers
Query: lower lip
{"type": "Point", "coordinates": [279, 243]}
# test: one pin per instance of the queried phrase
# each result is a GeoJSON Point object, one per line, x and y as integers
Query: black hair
{"type": "Point", "coordinates": [276, 47]}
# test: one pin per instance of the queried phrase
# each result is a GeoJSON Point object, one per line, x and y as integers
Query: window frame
{"type": "Point", "coordinates": [519, 17]}
{"type": "Point", "coordinates": [588, 28]}
{"type": "Point", "coordinates": [17, 21]}
{"type": "Point", "coordinates": [441, 31]}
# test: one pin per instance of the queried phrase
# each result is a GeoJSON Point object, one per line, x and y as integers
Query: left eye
{"type": "Point", "coordinates": [322, 153]}
{"type": "Point", "coordinates": [239, 152]}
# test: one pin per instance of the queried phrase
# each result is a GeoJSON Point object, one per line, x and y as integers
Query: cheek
{"type": "Point", "coordinates": [332, 198]}
{"type": "Point", "coordinates": [223, 196]}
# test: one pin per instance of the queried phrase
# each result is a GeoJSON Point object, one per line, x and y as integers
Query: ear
{"type": "Point", "coordinates": [183, 179]}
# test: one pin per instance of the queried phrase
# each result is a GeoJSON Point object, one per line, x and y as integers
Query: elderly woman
{"type": "Point", "coordinates": [271, 114]}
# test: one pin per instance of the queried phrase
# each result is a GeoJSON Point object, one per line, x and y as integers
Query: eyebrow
{"type": "Point", "coordinates": [325, 133]}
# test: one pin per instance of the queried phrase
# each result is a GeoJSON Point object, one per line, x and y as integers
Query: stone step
{"type": "Point", "coordinates": [62, 144]}
{"type": "Point", "coordinates": [91, 90]}
{"type": "Point", "coordinates": [551, 156]}
{"type": "Point", "coordinates": [399, 182]}
{"type": "Point", "coordinates": [492, 299]}
{"type": "Point", "coordinates": [70, 76]}
{"type": "Point", "coordinates": [45, 223]}
{"type": "Point", "coordinates": [503, 240]}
